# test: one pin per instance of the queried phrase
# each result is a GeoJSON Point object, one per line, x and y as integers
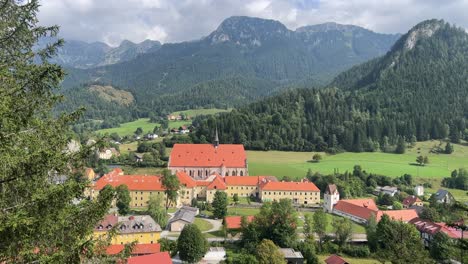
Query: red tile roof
{"type": "Point", "coordinates": [217, 183]}
{"type": "Point", "coordinates": [234, 222]}
{"type": "Point", "coordinates": [186, 180]}
{"type": "Point", "coordinates": [331, 189]}
{"type": "Point", "coordinates": [244, 180]}
{"type": "Point", "coordinates": [432, 228]}
{"type": "Point", "coordinates": [206, 155]}
{"type": "Point", "coordinates": [133, 182]}
{"type": "Point", "coordinates": [159, 258]}
{"type": "Point", "coordinates": [410, 200]}
{"type": "Point", "coordinates": [334, 259]}
{"type": "Point", "coordinates": [398, 215]}
{"type": "Point", "coordinates": [109, 220]}
{"type": "Point", "coordinates": [362, 208]}
{"type": "Point", "coordinates": [290, 186]}
{"type": "Point", "coordinates": [138, 249]}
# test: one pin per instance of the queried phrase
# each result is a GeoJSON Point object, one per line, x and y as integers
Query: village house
{"type": "Point", "coordinates": [334, 259]}
{"type": "Point", "coordinates": [330, 198]}
{"type": "Point", "coordinates": [419, 190]}
{"type": "Point", "coordinates": [291, 256]}
{"type": "Point", "coordinates": [412, 200]}
{"type": "Point", "coordinates": [184, 216]}
{"type": "Point", "coordinates": [301, 193]}
{"type": "Point", "coordinates": [138, 157]}
{"type": "Point", "coordinates": [444, 196]}
{"type": "Point", "coordinates": [140, 228]}
{"type": "Point", "coordinates": [151, 136]}
{"type": "Point", "coordinates": [361, 210]}
{"type": "Point", "coordinates": [108, 153]}
{"type": "Point", "coordinates": [428, 229]}
{"type": "Point", "coordinates": [200, 161]}
{"type": "Point", "coordinates": [387, 190]}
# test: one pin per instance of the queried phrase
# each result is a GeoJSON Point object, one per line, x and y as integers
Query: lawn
{"type": "Point", "coordinates": [130, 127]}
{"type": "Point", "coordinates": [357, 229]}
{"type": "Point", "coordinates": [243, 211]}
{"type": "Point", "coordinates": [295, 164]}
{"type": "Point", "coordinates": [351, 260]}
{"type": "Point", "coordinates": [196, 112]}
{"type": "Point", "coordinates": [202, 224]}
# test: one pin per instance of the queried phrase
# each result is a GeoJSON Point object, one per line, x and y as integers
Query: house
{"type": "Point", "coordinates": [140, 228]}
{"type": "Point", "coordinates": [444, 196]}
{"type": "Point", "coordinates": [138, 157]}
{"type": "Point", "coordinates": [334, 259]}
{"type": "Point", "coordinates": [108, 153]}
{"type": "Point", "coordinates": [151, 136]}
{"type": "Point", "coordinates": [330, 198]}
{"type": "Point", "coordinates": [301, 193]}
{"type": "Point", "coordinates": [159, 258]}
{"type": "Point", "coordinates": [361, 210]}
{"type": "Point", "coordinates": [214, 255]}
{"type": "Point", "coordinates": [183, 130]}
{"type": "Point", "coordinates": [419, 190]}
{"type": "Point", "coordinates": [412, 200]}
{"type": "Point", "coordinates": [291, 256]}
{"type": "Point", "coordinates": [387, 190]}
{"type": "Point", "coordinates": [428, 229]}
{"type": "Point", "coordinates": [234, 222]}
{"type": "Point", "coordinates": [182, 217]}
{"type": "Point", "coordinates": [200, 161]}
{"type": "Point", "coordinates": [138, 249]}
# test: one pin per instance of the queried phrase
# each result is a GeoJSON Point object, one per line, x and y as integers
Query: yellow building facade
{"type": "Point", "coordinates": [300, 193]}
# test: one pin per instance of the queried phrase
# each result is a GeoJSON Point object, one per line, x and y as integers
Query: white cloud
{"type": "Point", "coordinates": [180, 20]}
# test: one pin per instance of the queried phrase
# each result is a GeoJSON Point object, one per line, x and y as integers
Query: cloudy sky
{"type": "Point", "coordinates": [111, 21]}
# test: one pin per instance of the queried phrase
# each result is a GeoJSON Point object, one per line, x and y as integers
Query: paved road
{"type": "Point", "coordinates": [217, 224]}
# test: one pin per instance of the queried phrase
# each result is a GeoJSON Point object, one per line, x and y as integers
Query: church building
{"type": "Point", "coordinates": [200, 161]}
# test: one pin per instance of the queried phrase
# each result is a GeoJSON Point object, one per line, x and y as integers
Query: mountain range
{"type": "Point", "coordinates": [417, 91]}
{"type": "Point", "coordinates": [243, 60]}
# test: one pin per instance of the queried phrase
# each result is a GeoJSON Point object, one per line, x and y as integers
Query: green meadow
{"type": "Point", "coordinates": [130, 127]}
{"type": "Point", "coordinates": [296, 164]}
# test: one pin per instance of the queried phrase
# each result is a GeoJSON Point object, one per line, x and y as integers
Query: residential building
{"type": "Point", "coordinates": [159, 258]}
{"type": "Point", "coordinates": [246, 186]}
{"type": "Point", "coordinates": [301, 193]}
{"type": "Point", "coordinates": [108, 153]}
{"type": "Point", "coordinates": [428, 229]}
{"type": "Point", "coordinates": [361, 210]}
{"type": "Point", "coordinates": [444, 196]}
{"type": "Point", "coordinates": [151, 136]}
{"type": "Point", "coordinates": [138, 157]}
{"type": "Point", "coordinates": [387, 190]}
{"type": "Point", "coordinates": [140, 228]}
{"type": "Point", "coordinates": [330, 198]}
{"type": "Point", "coordinates": [234, 222]}
{"type": "Point", "coordinates": [138, 249]}
{"type": "Point", "coordinates": [214, 255]}
{"type": "Point", "coordinates": [183, 216]}
{"type": "Point", "coordinates": [419, 190]}
{"type": "Point", "coordinates": [291, 256]}
{"type": "Point", "coordinates": [334, 259]}
{"type": "Point", "coordinates": [412, 200]}
{"type": "Point", "coordinates": [200, 161]}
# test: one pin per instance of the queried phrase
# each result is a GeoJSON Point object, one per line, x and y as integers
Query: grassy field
{"type": "Point", "coordinates": [357, 229]}
{"type": "Point", "coordinates": [295, 164]}
{"type": "Point", "coordinates": [202, 224]}
{"type": "Point", "coordinates": [130, 127]}
{"type": "Point", "coordinates": [351, 260]}
{"type": "Point", "coordinates": [196, 112]}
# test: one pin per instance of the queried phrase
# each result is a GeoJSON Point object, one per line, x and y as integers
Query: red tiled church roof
{"type": "Point", "coordinates": [186, 180]}
{"type": "Point", "coordinates": [138, 249]}
{"type": "Point", "coordinates": [290, 186]}
{"type": "Point", "coordinates": [234, 222]}
{"type": "Point", "coordinates": [159, 258]}
{"type": "Point", "coordinates": [207, 155]}
{"type": "Point", "coordinates": [362, 208]}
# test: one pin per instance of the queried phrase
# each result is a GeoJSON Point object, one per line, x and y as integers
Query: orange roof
{"type": "Point", "coordinates": [234, 222]}
{"type": "Point", "coordinates": [362, 208]}
{"type": "Point", "coordinates": [138, 249]}
{"type": "Point", "coordinates": [410, 200]}
{"type": "Point", "coordinates": [398, 215]}
{"type": "Point", "coordinates": [290, 186]}
{"type": "Point", "coordinates": [206, 155]}
{"type": "Point", "coordinates": [133, 182]}
{"type": "Point", "coordinates": [160, 258]}
{"type": "Point", "coordinates": [186, 180]}
{"type": "Point", "coordinates": [243, 180]}
{"type": "Point", "coordinates": [217, 183]}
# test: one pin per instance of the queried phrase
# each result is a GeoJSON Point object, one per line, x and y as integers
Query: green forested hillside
{"type": "Point", "coordinates": [417, 91]}
{"type": "Point", "coordinates": [242, 60]}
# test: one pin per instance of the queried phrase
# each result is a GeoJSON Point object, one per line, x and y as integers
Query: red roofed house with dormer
{"type": "Point", "coordinates": [200, 161]}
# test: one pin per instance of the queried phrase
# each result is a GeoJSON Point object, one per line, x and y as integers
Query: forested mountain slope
{"type": "Point", "coordinates": [417, 91]}
{"type": "Point", "coordinates": [251, 50]}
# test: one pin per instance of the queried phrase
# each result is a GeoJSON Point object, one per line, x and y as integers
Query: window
{"type": "Point", "coordinates": [141, 198]}
{"type": "Point", "coordinates": [242, 173]}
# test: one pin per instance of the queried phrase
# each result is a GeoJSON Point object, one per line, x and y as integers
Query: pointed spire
{"type": "Point", "coordinates": [216, 141]}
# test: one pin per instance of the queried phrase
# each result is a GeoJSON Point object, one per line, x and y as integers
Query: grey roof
{"type": "Point", "coordinates": [184, 215]}
{"type": "Point", "coordinates": [138, 224]}
{"type": "Point", "coordinates": [188, 208]}
{"type": "Point", "coordinates": [440, 194]}
{"type": "Point", "coordinates": [289, 253]}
